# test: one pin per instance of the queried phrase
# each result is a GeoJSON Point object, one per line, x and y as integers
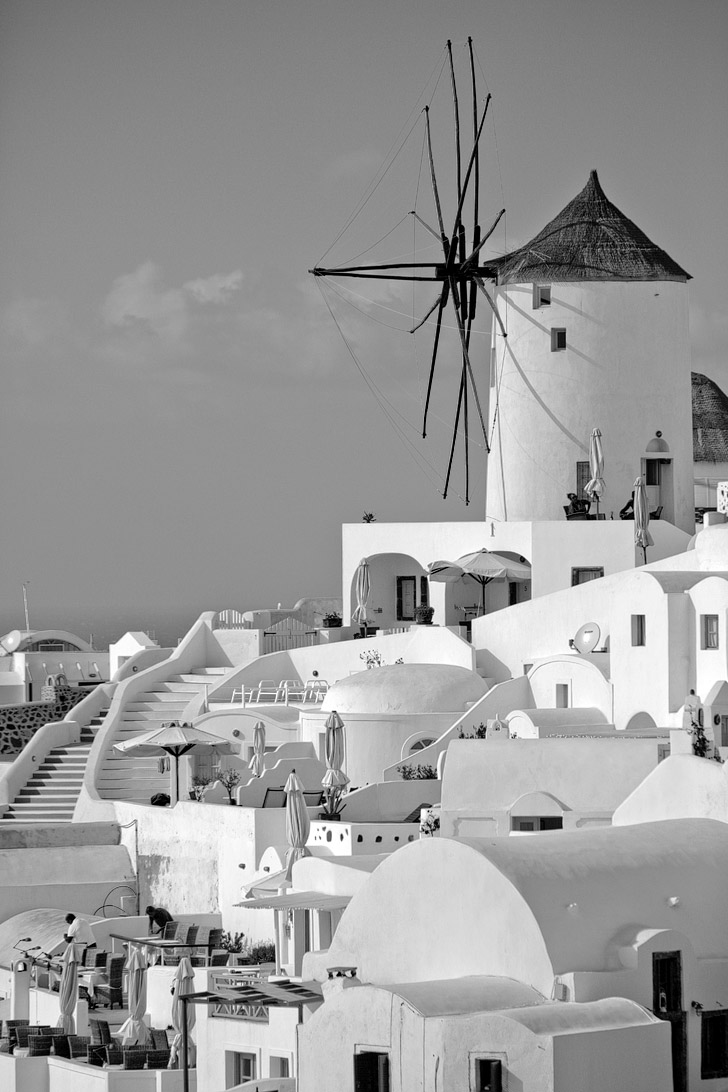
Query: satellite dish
{"type": "Point", "coordinates": [11, 640]}
{"type": "Point", "coordinates": [587, 638]}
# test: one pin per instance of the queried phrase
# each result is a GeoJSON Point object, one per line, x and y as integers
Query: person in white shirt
{"type": "Point", "coordinates": [79, 931]}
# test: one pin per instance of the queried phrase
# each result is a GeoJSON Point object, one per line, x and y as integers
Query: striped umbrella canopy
{"type": "Point", "coordinates": [483, 566]}
{"type": "Point", "coordinates": [334, 780]}
{"type": "Point", "coordinates": [68, 990]}
{"type": "Point", "coordinates": [642, 536]}
{"type": "Point", "coordinates": [595, 486]}
{"type": "Point", "coordinates": [363, 586]}
{"type": "Point", "coordinates": [134, 1030]}
{"type": "Point", "coordinates": [298, 824]}
{"type": "Point", "coordinates": [184, 984]}
{"type": "Point", "coordinates": [256, 763]}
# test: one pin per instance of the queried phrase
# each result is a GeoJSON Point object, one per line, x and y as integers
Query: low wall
{"type": "Point", "coordinates": [26, 1075]}
{"type": "Point", "coordinates": [18, 723]}
{"type": "Point", "coordinates": [64, 1075]}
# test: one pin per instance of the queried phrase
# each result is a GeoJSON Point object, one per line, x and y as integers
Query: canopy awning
{"type": "Point", "coordinates": [298, 900]}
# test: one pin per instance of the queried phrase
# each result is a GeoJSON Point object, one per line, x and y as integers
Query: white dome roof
{"type": "Point", "coordinates": [406, 688]}
{"type": "Point", "coordinates": [711, 548]}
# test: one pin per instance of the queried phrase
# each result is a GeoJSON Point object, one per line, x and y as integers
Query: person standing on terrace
{"type": "Point", "coordinates": [158, 917]}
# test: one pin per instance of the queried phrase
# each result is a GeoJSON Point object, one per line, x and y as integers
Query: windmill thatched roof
{"type": "Point", "coordinates": [710, 421]}
{"type": "Point", "coordinates": [589, 240]}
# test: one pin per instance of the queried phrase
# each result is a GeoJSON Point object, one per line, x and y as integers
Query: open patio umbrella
{"type": "Point", "coordinates": [68, 990]}
{"type": "Point", "coordinates": [642, 536]}
{"type": "Point", "coordinates": [595, 486]}
{"type": "Point", "coordinates": [134, 1030]}
{"type": "Point", "coordinates": [184, 984]}
{"type": "Point", "coordinates": [256, 763]}
{"type": "Point", "coordinates": [363, 586]}
{"type": "Point", "coordinates": [298, 824]}
{"type": "Point", "coordinates": [483, 566]}
{"type": "Point", "coordinates": [174, 739]}
{"type": "Point", "coordinates": [334, 780]}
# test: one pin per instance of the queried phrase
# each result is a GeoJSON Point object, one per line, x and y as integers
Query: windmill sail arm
{"type": "Point", "coordinates": [424, 320]}
{"type": "Point", "coordinates": [493, 307]}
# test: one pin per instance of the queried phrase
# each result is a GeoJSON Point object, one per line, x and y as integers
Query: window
{"type": "Point", "coordinates": [583, 475]}
{"type": "Point", "coordinates": [652, 471]}
{"type": "Point", "coordinates": [534, 823]}
{"type": "Point", "coordinates": [541, 295]}
{"type": "Point", "coordinates": [562, 695]}
{"type": "Point", "coordinates": [241, 1068]}
{"type": "Point", "coordinates": [558, 338]}
{"type": "Point", "coordinates": [582, 576]}
{"type": "Point", "coordinates": [424, 592]}
{"type": "Point", "coordinates": [714, 1044]}
{"type": "Point", "coordinates": [709, 630]}
{"type": "Point", "coordinates": [638, 630]}
{"type": "Point", "coordinates": [279, 1067]}
{"type": "Point", "coordinates": [722, 734]}
{"type": "Point", "coordinates": [371, 1071]}
{"type": "Point", "coordinates": [488, 1075]}
{"type": "Point", "coordinates": [406, 598]}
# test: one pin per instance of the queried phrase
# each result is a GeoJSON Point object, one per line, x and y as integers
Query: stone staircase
{"type": "Point", "coordinates": [136, 778]}
{"type": "Point", "coordinates": [51, 794]}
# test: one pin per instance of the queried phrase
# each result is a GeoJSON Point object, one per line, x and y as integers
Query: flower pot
{"type": "Point", "coordinates": [423, 616]}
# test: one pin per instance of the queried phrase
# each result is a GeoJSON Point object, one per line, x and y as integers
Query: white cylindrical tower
{"type": "Point", "coordinates": [597, 321]}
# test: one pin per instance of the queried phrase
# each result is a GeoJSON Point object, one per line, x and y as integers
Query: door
{"type": "Point", "coordinates": [371, 1071]}
{"type": "Point", "coordinates": [667, 1004]}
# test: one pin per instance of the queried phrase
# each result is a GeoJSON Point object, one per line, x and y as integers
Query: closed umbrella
{"type": "Point", "coordinates": [483, 566]}
{"type": "Point", "coordinates": [184, 984]}
{"type": "Point", "coordinates": [362, 582]}
{"type": "Point", "coordinates": [134, 1030]}
{"type": "Point", "coordinates": [642, 536]}
{"type": "Point", "coordinates": [298, 824]}
{"type": "Point", "coordinates": [174, 739]}
{"type": "Point", "coordinates": [257, 763]}
{"type": "Point", "coordinates": [68, 990]}
{"type": "Point", "coordinates": [334, 780]}
{"type": "Point", "coordinates": [595, 486]}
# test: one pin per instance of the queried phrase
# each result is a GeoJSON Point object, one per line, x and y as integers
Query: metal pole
{"type": "Point", "coordinates": [25, 605]}
{"type": "Point", "coordinates": [185, 1056]}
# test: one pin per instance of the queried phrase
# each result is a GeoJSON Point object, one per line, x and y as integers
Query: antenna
{"type": "Point", "coordinates": [25, 604]}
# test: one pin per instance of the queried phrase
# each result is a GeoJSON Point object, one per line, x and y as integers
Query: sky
{"type": "Point", "coordinates": [187, 416]}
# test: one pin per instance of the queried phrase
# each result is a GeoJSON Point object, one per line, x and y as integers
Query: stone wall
{"type": "Point", "coordinates": [18, 723]}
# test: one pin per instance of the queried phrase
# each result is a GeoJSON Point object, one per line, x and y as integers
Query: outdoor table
{"type": "Point", "coordinates": [158, 945]}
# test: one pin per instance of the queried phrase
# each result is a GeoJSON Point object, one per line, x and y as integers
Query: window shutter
{"type": "Point", "coordinates": [424, 592]}
{"type": "Point", "coordinates": [399, 597]}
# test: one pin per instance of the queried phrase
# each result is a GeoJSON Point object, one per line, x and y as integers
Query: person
{"type": "Point", "coordinates": [691, 711]}
{"type": "Point", "coordinates": [576, 507]}
{"type": "Point", "coordinates": [628, 511]}
{"type": "Point", "coordinates": [158, 916]}
{"type": "Point", "coordinates": [79, 931]}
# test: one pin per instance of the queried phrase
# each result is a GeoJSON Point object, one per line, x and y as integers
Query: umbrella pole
{"type": "Point", "coordinates": [185, 1047]}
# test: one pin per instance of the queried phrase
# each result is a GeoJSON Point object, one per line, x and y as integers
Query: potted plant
{"type": "Point", "coordinates": [199, 784]}
{"type": "Point", "coordinates": [332, 620]}
{"type": "Point", "coordinates": [229, 778]}
{"type": "Point", "coordinates": [423, 615]}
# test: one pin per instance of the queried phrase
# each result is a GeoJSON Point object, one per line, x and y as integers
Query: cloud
{"type": "Point", "coordinates": [148, 319]}
{"type": "Point", "coordinates": [216, 289]}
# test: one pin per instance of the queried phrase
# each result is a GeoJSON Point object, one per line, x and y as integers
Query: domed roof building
{"type": "Point", "coordinates": [390, 713]}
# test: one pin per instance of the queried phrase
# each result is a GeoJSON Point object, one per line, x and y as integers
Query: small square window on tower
{"type": "Point", "coordinates": [541, 295]}
{"type": "Point", "coordinates": [558, 338]}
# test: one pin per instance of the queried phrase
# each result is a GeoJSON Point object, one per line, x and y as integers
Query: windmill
{"type": "Point", "coordinates": [461, 275]}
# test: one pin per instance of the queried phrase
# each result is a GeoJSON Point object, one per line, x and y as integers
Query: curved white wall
{"type": "Point", "coordinates": [625, 370]}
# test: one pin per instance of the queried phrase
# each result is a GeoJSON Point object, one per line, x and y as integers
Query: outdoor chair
{"type": "Point", "coordinates": [100, 1032]}
{"type": "Point", "coordinates": [99, 959]}
{"type": "Point", "coordinates": [5, 1047]}
{"type": "Point", "coordinates": [111, 990]}
{"type": "Point", "coordinates": [61, 1046]}
{"type": "Point", "coordinates": [158, 1059]}
{"type": "Point", "coordinates": [10, 1027]}
{"type": "Point", "coordinates": [114, 1055]}
{"type": "Point", "coordinates": [159, 1039]}
{"type": "Point", "coordinates": [39, 1045]}
{"type": "Point", "coordinates": [96, 1055]}
{"type": "Point", "coordinates": [23, 1032]}
{"type": "Point", "coordinates": [134, 1059]}
{"type": "Point", "coordinates": [219, 957]}
{"type": "Point", "coordinates": [78, 1045]}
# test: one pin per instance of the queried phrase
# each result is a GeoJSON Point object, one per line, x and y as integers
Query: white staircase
{"type": "Point", "coordinates": [50, 795]}
{"type": "Point", "coordinates": [131, 777]}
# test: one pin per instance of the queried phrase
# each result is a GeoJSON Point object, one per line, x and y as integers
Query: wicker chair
{"type": "Point", "coordinates": [23, 1032]}
{"type": "Point", "coordinates": [170, 930]}
{"type": "Point", "coordinates": [111, 990]}
{"type": "Point", "coordinates": [39, 1046]}
{"type": "Point", "coordinates": [100, 1033]}
{"type": "Point", "coordinates": [219, 958]}
{"type": "Point", "coordinates": [158, 1059]}
{"type": "Point", "coordinates": [134, 1058]}
{"type": "Point", "coordinates": [96, 1055]}
{"type": "Point", "coordinates": [99, 959]}
{"type": "Point", "coordinates": [78, 1045]}
{"type": "Point", "coordinates": [114, 1055]}
{"type": "Point", "coordinates": [160, 1040]}
{"type": "Point", "coordinates": [61, 1046]}
{"type": "Point", "coordinates": [10, 1028]}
